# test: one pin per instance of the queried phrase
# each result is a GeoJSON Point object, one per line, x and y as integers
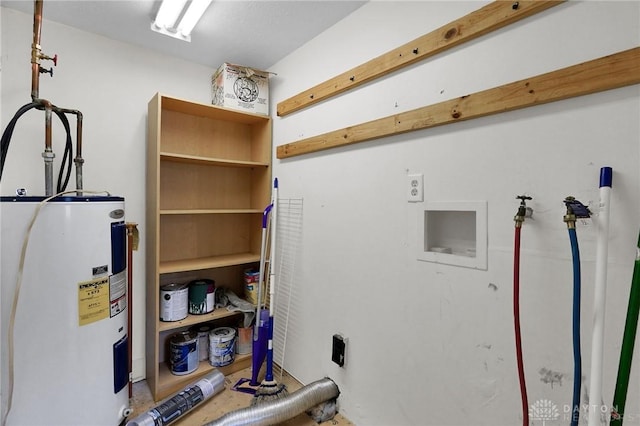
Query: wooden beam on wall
{"type": "Point", "coordinates": [606, 73]}
{"type": "Point", "coordinates": [480, 22]}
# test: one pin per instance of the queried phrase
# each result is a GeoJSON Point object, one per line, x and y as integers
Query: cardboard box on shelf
{"type": "Point", "coordinates": [241, 88]}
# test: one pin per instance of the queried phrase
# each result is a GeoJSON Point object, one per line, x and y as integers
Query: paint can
{"type": "Point", "coordinates": [183, 353]}
{"type": "Point", "coordinates": [174, 302]}
{"type": "Point", "coordinates": [222, 346]}
{"type": "Point", "coordinates": [201, 296]}
{"type": "Point", "coordinates": [202, 330]}
{"type": "Point", "coordinates": [244, 340]}
{"type": "Point", "coordinates": [251, 278]}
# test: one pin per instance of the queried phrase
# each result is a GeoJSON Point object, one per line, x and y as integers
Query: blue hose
{"type": "Point", "coordinates": [577, 361]}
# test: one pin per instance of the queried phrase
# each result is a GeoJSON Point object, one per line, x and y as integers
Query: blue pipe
{"type": "Point", "coordinates": [577, 359]}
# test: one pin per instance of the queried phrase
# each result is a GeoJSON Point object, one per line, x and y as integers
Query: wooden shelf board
{"type": "Point", "coordinates": [210, 111]}
{"type": "Point", "coordinates": [210, 211]}
{"type": "Point", "coordinates": [169, 383]}
{"type": "Point", "coordinates": [196, 319]}
{"type": "Point", "coordinates": [207, 262]}
{"type": "Point", "coordinates": [194, 159]}
{"type": "Point", "coordinates": [490, 17]}
{"type": "Point", "coordinates": [605, 73]}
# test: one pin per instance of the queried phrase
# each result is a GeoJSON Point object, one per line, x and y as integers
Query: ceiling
{"type": "Point", "coordinates": [254, 33]}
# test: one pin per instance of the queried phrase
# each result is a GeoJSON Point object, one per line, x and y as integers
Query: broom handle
{"type": "Point", "coordinates": [599, 300]}
{"type": "Point", "coordinates": [263, 250]}
{"type": "Point", "coordinates": [272, 249]}
{"type": "Point", "coordinates": [628, 342]}
{"type": "Point", "coordinates": [272, 280]}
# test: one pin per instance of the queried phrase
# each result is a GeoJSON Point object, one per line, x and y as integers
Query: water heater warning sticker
{"type": "Point", "coordinates": [118, 293]}
{"type": "Point", "coordinates": [93, 300]}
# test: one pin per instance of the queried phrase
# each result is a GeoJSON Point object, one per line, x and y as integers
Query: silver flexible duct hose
{"type": "Point", "coordinates": [274, 412]}
{"type": "Point", "coordinates": [182, 402]}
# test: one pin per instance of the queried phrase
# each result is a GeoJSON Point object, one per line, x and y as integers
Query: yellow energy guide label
{"type": "Point", "coordinates": [93, 300]}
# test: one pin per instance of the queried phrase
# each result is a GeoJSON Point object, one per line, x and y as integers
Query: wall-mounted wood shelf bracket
{"type": "Point", "coordinates": [489, 18]}
{"type": "Point", "coordinates": [606, 73]}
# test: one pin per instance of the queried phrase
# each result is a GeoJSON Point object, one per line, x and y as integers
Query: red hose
{"type": "Point", "coordinates": [516, 323]}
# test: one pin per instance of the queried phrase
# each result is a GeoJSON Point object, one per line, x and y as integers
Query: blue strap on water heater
{"type": "Point", "coordinates": [118, 247]}
{"type": "Point", "coordinates": [120, 364]}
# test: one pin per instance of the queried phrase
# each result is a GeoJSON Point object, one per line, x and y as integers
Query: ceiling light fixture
{"type": "Point", "coordinates": [176, 18]}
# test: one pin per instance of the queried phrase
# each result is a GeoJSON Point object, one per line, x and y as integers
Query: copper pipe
{"type": "Point", "coordinates": [48, 154]}
{"type": "Point", "coordinates": [78, 115]}
{"type": "Point", "coordinates": [79, 137]}
{"type": "Point", "coordinates": [35, 50]}
{"type": "Point", "coordinates": [48, 109]}
{"type": "Point", "coordinates": [78, 160]}
{"type": "Point", "coordinates": [131, 227]}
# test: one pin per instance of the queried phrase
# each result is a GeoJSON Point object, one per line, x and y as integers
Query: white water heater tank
{"type": "Point", "coordinates": [70, 330]}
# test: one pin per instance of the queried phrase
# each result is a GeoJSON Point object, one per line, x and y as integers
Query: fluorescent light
{"type": "Point", "coordinates": [192, 16]}
{"type": "Point", "coordinates": [176, 21]}
{"type": "Point", "coordinates": [169, 13]}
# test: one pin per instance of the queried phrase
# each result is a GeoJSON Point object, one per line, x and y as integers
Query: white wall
{"type": "Point", "coordinates": [1, 61]}
{"type": "Point", "coordinates": [110, 83]}
{"type": "Point", "coordinates": [428, 344]}
{"type": "Point", "coordinates": [433, 344]}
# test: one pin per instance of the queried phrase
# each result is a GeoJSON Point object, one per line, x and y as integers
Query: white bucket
{"type": "Point", "coordinates": [222, 346]}
{"type": "Point", "coordinates": [202, 330]}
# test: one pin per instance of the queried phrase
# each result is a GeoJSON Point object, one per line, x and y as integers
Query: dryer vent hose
{"type": "Point", "coordinates": [278, 411]}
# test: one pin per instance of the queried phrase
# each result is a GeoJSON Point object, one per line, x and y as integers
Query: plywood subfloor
{"type": "Point", "coordinates": [224, 402]}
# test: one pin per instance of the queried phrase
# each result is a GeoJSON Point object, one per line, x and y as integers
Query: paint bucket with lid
{"type": "Point", "coordinates": [183, 353]}
{"type": "Point", "coordinates": [201, 296]}
{"type": "Point", "coordinates": [202, 330]}
{"type": "Point", "coordinates": [174, 302]}
{"type": "Point", "coordinates": [222, 346]}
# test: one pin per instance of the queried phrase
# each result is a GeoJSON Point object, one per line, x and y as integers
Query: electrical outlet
{"type": "Point", "coordinates": [415, 188]}
{"type": "Point", "coordinates": [338, 349]}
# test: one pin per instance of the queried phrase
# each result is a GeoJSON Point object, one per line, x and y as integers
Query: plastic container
{"type": "Point", "coordinates": [202, 330]}
{"type": "Point", "coordinates": [244, 341]}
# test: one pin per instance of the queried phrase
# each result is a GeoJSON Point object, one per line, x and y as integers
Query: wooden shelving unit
{"type": "Point", "coordinates": [208, 181]}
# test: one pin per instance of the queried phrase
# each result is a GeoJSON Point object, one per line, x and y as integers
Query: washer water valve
{"type": "Point", "coordinates": [523, 210]}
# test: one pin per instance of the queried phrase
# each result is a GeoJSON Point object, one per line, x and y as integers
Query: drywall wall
{"type": "Point", "coordinates": [110, 83]}
{"type": "Point", "coordinates": [428, 344]}
{"type": "Point", "coordinates": [433, 344]}
{"type": "Point", "coordinates": [1, 60]}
